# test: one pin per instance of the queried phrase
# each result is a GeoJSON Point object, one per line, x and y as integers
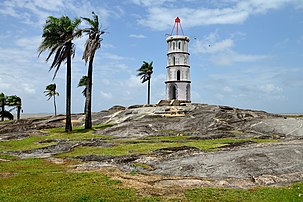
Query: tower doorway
{"type": "Point", "coordinates": [173, 92]}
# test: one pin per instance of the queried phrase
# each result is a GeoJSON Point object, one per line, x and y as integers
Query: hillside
{"type": "Point", "coordinates": [155, 148]}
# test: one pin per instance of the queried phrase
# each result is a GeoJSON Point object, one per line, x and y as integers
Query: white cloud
{"type": "Point", "coordinates": [106, 95]}
{"type": "Point", "coordinates": [35, 12]}
{"type": "Point", "coordinates": [138, 36]}
{"type": "Point", "coordinates": [233, 12]}
{"type": "Point", "coordinates": [221, 50]}
{"type": "Point", "coordinates": [151, 2]}
{"type": "Point", "coordinates": [270, 88]}
{"type": "Point", "coordinates": [230, 57]}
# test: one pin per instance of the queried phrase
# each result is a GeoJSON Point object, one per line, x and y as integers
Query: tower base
{"type": "Point", "coordinates": [173, 102]}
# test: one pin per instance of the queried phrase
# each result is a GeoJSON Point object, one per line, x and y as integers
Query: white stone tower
{"type": "Point", "coordinates": [178, 68]}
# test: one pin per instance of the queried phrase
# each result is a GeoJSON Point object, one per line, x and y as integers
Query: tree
{"type": "Point", "coordinates": [2, 104]}
{"type": "Point", "coordinates": [14, 101]}
{"type": "Point", "coordinates": [50, 91]}
{"type": "Point", "coordinates": [145, 72]}
{"type": "Point", "coordinates": [83, 82]}
{"type": "Point", "coordinates": [57, 38]}
{"type": "Point", "coordinates": [91, 45]}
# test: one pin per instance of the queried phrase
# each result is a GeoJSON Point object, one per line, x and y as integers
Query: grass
{"type": "Point", "coordinates": [41, 180]}
{"type": "Point", "coordinates": [32, 142]}
{"type": "Point", "coordinates": [260, 194]}
{"type": "Point", "coordinates": [151, 144]}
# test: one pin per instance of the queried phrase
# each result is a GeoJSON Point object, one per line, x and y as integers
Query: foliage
{"type": "Point", "coordinates": [57, 36]}
{"type": "Point", "coordinates": [145, 71]}
{"type": "Point", "coordinates": [50, 91]}
{"type": "Point", "coordinates": [94, 37]}
{"type": "Point", "coordinates": [83, 82]}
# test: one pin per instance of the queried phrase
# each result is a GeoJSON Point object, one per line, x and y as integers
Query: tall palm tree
{"type": "Point", "coordinates": [2, 104]}
{"type": "Point", "coordinates": [14, 101]}
{"type": "Point", "coordinates": [57, 38]}
{"type": "Point", "coordinates": [145, 71]}
{"type": "Point", "coordinates": [83, 82]}
{"type": "Point", "coordinates": [50, 91]}
{"type": "Point", "coordinates": [91, 45]}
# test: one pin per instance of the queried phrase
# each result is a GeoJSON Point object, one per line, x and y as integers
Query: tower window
{"type": "Point", "coordinates": [174, 60]}
{"type": "Point", "coordinates": [179, 45]}
{"type": "Point", "coordinates": [174, 45]}
{"type": "Point", "coordinates": [178, 75]}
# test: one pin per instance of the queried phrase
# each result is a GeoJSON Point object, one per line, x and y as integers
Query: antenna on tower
{"type": "Point", "coordinates": [176, 25]}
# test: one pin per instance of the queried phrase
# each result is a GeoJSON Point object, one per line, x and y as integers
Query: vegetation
{"type": "Point", "coordinates": [265, 194]}
{"type": "Point", "coordinates": [145, 71]}
{"type": "Point", "coordinates": [92, 44]}
{"type": "Point", "coordinates": [11, 101]}
{"type": "Point", "coordinates": [57, 38]}
{"type": "Point", "coordinates": [83, 82]}
{"type": "Point", "coordinates": [43, 180]}
{"type": "Point", "coordinates": [50, 91]}
{"type": "Point", "coordinates": [14, 101]}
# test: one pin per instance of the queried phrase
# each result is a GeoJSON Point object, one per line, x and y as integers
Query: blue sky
{"type": "Point", "coordinates": [255, 57]}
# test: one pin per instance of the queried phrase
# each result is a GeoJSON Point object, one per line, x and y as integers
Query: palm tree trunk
{"type": "Point", "coordinates": [148, 92]}
{"type": "Point", "coordinates": [55, 107]}
{"type": "Point", "coordinates": [88, 101]}
{"type": "Point", "coordinates": [68, 121]}
{"type": "Point", "coordinates": [18, 112]}
{"type": "Point", "coordinates": [2, 108]}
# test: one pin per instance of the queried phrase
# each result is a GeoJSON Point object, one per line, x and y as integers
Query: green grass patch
{"type": "Point", "coordinates": [168, 138]}
{"type": "Point", "coordinates": [30, 166]}
{"type": "Point", "coordinates": [145, 147]}
{"type": "Point", "coordinates": [42, 180]}
{"type": "Point", "coordinates": [24, 144]}
{"type": "Point", "coordinates": [262, 194]}
{"type": "Point", "coordinates": [32, 142]}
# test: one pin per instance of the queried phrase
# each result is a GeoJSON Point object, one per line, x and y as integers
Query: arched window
{"type": "Point", "coordinates": [179, 45]}
{"type": "Point", "coordinates": [174, 60]}
{"type": "Point", "coordinates": [178, 75]}
{"type": "Point", "coordinates": [188, 92]}
{"type": "Point", "coordinates": [174, 45]}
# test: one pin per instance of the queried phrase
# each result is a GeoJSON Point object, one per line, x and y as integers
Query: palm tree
{"type": "Point", "coordinates": [15, 101]}
{"type": "Point", "coordinates": [57, 38]}
{"type": "Point", "coordinates": [83, 82]}
{"type": "Point", "coordinates": [145, 72]}
{"type": "Point", "coordinates": [91, 45]}
{"type": "Point", "coordinates": [2, 104]}
{"type": "Point", "coordinates": [50, 91]}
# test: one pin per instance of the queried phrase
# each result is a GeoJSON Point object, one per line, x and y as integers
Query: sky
{"type": "Point", "coordinates": [243, 53]}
